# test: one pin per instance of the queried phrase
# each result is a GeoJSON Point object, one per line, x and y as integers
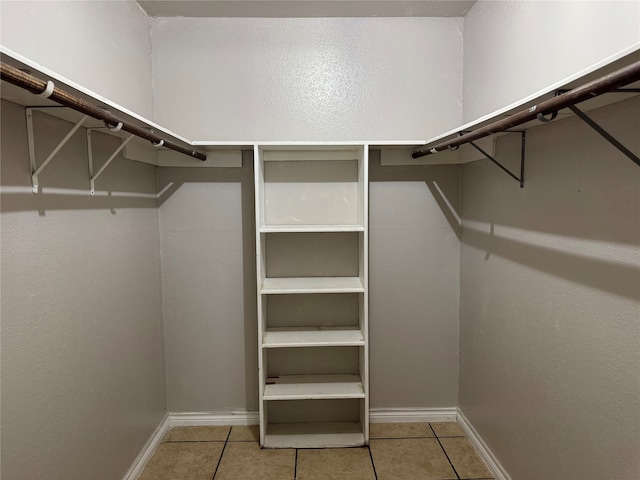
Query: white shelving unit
{"type": "Point", "coordinates": [312, 272]}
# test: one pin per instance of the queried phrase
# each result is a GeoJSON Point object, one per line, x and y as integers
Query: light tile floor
{"type": "Point", "coordinates": [397, 451]}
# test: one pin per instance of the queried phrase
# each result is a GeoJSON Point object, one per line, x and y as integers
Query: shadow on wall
{"type": "Point", "coordinates": [578, 215]}
{"type": "Point", "coordinates": [437, 178]}
{"type": "Point", "coordinates": [64, 183]}
{"type": "Point", "coordinates": [170, 181]}
{"type": "Point", "coordinates": [613, 277]}
{"type": "Point", "coordinates": [577, 185]}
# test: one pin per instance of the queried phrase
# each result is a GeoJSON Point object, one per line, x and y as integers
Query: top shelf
{"type": "Point", "coordinates": [298, 154]}
{"type": "Point", "coordinates": [310, 228]}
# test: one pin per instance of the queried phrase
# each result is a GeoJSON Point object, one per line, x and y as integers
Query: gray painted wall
{"type": "Point", "coordinates": [104, 46]}
{"type": "Point", "coordinates": [513, 49]}
{"type": "Point", "coordinates": [414, 279]}
{"type": "Point", "coordinates": [208, 271]}
{"type": "Point", "coordinates": [315, 79]}
{"type": "Point", "coordinates": [82, 361]}
{"type": "Point", "coordinates": [208, 284]}
{"type": "Point", "coordinates": [550, 284]}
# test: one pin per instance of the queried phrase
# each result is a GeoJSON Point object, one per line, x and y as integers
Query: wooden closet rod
{"type": "Point", "coordinates": [46, 89]}
{"type": "Point", "coordinates": [604, 84]}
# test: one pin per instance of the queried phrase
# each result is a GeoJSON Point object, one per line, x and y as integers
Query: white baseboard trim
{"type": "Point", "coordinates": [148, 450]}
{"type": "Point", "coordinates": [394, 415]}
{"type": "Point", "coordinates": [376, 415]}
{"type": "Point", "coordinates": [482, 448]}
{"type": "Point", "coordinates": [195, 419]}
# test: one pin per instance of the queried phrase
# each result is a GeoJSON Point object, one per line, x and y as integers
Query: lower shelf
{"type": "Point", "coordinates": [313, 387]}
{"type": "Point", "coordinates": [314, 435]}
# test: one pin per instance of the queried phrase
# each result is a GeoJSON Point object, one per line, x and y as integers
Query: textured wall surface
{"type": "Point", "coordinates": [513, 49]}
{"type": "Point", "coordinates": [308, 79]}
{"type": "Point", "coordinates": [208, 284]}
{"type": "Point", "coordinates": [414, 278]}
{"type": "Point", "coordinates": [82, 361]}
{"type": "Point", "coordinates": [550, 302]}
{"type": "Point", "coordinates": [104, 46]}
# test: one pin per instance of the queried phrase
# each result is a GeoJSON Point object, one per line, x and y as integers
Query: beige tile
{"type": "Point", "coordinates": [244, 433]}
{"type": "Point", "coordinates": [246, 461]}
{"type": "Point", "coordinates": [410, 459]}
{"type": "Point", "coordinates": [464, 458]}
{"type": "Point", "coordinates": [197, 434]}
{"type": "Point", "coordinates": [399, 430]}
{"type": "Point", "coordinates": [447, 429]}
{"type": "Point", "coordinates": [335, 464]}
{"type": "Point", "coordinates": [184, 461]}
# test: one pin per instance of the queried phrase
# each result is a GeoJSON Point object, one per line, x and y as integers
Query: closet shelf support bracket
{"type": "Point", "coordinates": [519, 179]}
{"type": "Point", "coordinates": [34, 169]}
{"type": "Point", "coordinates": [598, 128]}
{"type": "Point", "coordinates": [92, 176]}
{"type": "Point", "coordinates": [606, 135]}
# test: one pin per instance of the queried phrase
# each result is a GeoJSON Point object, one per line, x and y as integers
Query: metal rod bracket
{"type": "Point", "coordinates": [33, 166]}
{"type": "Point", "coordinates": [606, 135]}
{"type": "Point", "coordinates": [47, 89]}
{"type": "Point", "coordinates": [519, 179]}
{"type": "Point", "coordinates": [92, 176]}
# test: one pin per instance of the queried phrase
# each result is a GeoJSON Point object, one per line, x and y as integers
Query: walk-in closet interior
{"type": "Point", "coordinates": [318, 216]}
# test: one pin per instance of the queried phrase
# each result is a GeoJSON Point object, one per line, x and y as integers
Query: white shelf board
{"type": "Point", "coordinates": [601, 68]}
{"type": "Point", "coordinates": [314, 435]}
{"type": "Point", "coordinates": [310, 228]}
{"type": "Point", "coordinates": [25, 98]}
{"type": "Point", "coordinates": [313, 337]}
{"type": "Point", "coordinates": [317, 155]}
{"type": "Point", "coordinates": [19, 61]}
{"type": "Point", "coordinates": [312, 285]}
{"type": "Point", "coordinates": [313, 387]}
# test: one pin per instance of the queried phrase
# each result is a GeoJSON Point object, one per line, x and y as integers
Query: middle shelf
{"type": "Point", "coordinates": [312, 337]}
{"type": "Point", "coordinates": [273, 286]}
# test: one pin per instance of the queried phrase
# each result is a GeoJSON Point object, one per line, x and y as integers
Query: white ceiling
{"type": "Point", "coordinates": [306, 8]}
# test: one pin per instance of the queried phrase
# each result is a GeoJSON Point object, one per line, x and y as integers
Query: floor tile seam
{"type": "Point", "coordinates": [446, 455]}
{"type": "Point", "coordinates": [465, 478]}
{"type": "Point", "coordinates": [224, 447]}
{"type": "Point", "coordinates": [295, 466]}
{"type": "Point", "coordinates": [373, 464]}
{"type": "Point", "coordinates": [195, 441]}
{"type": "Point", "coordinates": [403, 438]}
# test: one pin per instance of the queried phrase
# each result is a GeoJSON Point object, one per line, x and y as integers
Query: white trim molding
{"type": "Point", "coordinates": [395, 415]}
{"type": "Point", "coordinates": [148, 450]}
{"type": "Point", "coordinates": [376, 415]}
{"type": "Point", "coordinates": [197, 419]}
{"type": "Point", "coordinates": [483, 450]}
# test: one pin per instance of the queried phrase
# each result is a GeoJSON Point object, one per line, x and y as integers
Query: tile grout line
{"type": "Point", "coordinates": [295, 466]}
{"type": "Point", "coordinates": [195, 441]}
{"type": "Point", "coordinates": [445, 452]}
{"type": "Point", "coordinates": [373, 464]}
{"type": "Point", "coordinates": [222, 453]}
{"type": "Point", "coordinates": [407, 438]}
